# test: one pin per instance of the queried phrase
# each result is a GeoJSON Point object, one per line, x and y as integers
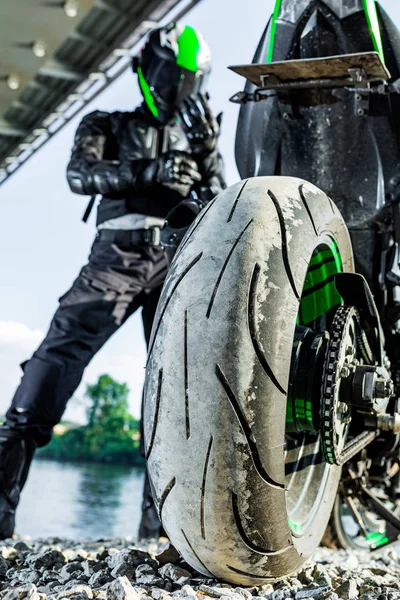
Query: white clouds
{"type": "Point", "coordinates": [18, 335]}
{"type": "Point", "coordinates": [123, 357]}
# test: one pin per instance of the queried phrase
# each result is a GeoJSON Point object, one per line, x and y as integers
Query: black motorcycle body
{"type": "Point", "coordinates": [273, 378]}
{"type": "Point", "coordinates": [345, 140]}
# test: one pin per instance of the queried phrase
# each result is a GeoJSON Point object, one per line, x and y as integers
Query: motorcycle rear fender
{"type": "Point", "coordinates": [348, 151]}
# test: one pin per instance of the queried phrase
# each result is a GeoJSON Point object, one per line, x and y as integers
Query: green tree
{"type": "Point", "coordinates": [109, 421]}
{"type": "Point", "coordinates": [111, 434]}
{"type": "Point", "coordinates": [108, 408]}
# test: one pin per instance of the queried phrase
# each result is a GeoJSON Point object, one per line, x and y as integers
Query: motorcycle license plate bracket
{"type": "Point", "coordinates": [358, 70]}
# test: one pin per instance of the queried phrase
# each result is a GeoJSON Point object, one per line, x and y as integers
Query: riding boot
{"type": "Point", "coordinates": [16, 453]}
{"type": "Point", "coordinates": [150, 525]}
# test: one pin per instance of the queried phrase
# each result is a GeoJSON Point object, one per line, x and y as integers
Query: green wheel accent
{"type": "Point", "coordinates": [319, 291]}
{"type": "Point", "coordinates": [318, 298]}
{"type": "Point", "coordinates": [373, 24]}
{"type": "Point", "coordinates": [299, 412]}
{"type": "Point", "coordinates": [189, 46]}
{"type": "Point", "coordinates": [296, 528]}
{"type": "Point", "coordinates": [377, 539]}
{"type": "Point", "coordinates": [272, 34]}
{"type": "Point", "coordinates": [148, 96]}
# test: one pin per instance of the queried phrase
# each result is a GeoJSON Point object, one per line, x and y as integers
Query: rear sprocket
{"type": "Point", "coordinates": [341, 353]}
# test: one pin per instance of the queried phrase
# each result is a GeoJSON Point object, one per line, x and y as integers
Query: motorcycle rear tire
{"type": "Point", "coordinates": [217, 380]}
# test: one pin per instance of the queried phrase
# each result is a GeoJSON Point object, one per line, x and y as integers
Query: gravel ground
{"type": "Point", "coordinates": [115, 569]}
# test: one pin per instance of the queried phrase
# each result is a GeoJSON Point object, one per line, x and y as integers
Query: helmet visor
{"type": "Point", "coordinates": [190, 83]}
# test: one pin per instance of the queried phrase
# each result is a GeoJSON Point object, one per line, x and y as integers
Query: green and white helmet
{"type": "Point", "coordinates": [174, 64]}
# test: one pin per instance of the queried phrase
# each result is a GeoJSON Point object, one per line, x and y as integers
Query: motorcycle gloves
{"type": "Point", "coordinates": [174, 170]}
{"type": "Point", "coordinates": [89, 173]}
{"type": "Point", "coordinates": [200, 125]}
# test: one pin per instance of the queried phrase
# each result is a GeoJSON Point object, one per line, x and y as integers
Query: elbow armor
{"type": "Point", "coordinates": [88, 172]}
{"type": "Point", "coordinates": [99, 177]}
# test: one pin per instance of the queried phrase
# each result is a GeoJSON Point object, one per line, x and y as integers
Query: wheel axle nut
{"type": "Point", "coordinates": [344, 372]}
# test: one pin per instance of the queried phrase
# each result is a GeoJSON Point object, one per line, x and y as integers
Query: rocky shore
{"type": "Point", "coordinates": [116, 569]}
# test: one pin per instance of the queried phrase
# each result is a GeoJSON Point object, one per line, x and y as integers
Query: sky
{"type": "Point", "coordinates": [43, 243]}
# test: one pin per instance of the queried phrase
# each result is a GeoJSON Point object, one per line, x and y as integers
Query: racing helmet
{"type": "Point", "coordinates": [174, 63]}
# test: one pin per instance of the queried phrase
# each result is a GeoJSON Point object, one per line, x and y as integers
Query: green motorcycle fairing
{"type": "Point", "coordinates": [306, 133]}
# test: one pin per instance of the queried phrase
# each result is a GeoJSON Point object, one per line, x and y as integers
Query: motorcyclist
{"type": "Point", "coordinates": [142, 163]}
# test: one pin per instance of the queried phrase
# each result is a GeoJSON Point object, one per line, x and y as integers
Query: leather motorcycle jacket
{"type": "Point", "coordinates": [110, 153]}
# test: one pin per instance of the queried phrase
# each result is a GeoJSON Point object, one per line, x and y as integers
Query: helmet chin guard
{"type": "Point", "coordinates": [174, 64]}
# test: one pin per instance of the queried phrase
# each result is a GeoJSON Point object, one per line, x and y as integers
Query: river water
{"type": "Point", "coordinates": [77, 500]}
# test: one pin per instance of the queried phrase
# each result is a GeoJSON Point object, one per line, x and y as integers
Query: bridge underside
{"type": "Point", "coordinates": [57, 55]}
